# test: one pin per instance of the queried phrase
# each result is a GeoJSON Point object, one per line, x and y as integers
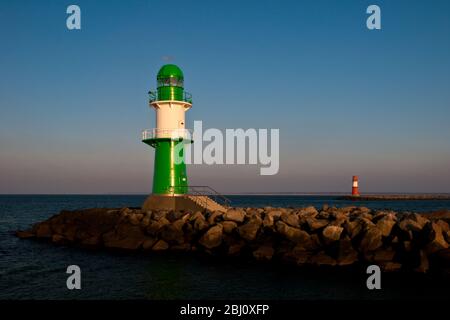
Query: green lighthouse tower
{"type": "Point", "coordinates": [169, 137]}
{"type": "Point", "coordinates": [170, 102]}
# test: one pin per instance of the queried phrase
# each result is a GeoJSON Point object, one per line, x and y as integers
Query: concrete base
{"type": "Point", "coordinates": [170, 202]}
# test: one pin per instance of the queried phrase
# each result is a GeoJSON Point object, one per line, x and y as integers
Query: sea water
{"type": "Point", "coordinates": [32, 269]}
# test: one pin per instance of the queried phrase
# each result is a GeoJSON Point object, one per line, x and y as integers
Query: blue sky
{"type": "Point", "coordinates": [346, 100]}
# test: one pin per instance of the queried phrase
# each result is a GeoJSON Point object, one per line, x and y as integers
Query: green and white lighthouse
{"type": "Point", "coordinates": [170, 183]}
{"type": "Point", "coordinates": [170, 102]}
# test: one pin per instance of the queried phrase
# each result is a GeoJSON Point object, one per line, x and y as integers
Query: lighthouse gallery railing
{"type": "Point", "coordinates": [175, 134]}
{"type": "Point", "coordinates": [153, 96]}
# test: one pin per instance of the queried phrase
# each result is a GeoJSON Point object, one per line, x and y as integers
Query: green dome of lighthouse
{"type": "Point", "coordinates": [169, 71]}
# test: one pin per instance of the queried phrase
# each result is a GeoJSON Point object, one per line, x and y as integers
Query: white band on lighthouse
{"type": "Point", "coordinates": [170, 118]}
{"type": "Point", "coordinates": [355, 183]}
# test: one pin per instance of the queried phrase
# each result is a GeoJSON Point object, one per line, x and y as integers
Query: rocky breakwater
{"type": "Point", "coordinates": [305, 236]}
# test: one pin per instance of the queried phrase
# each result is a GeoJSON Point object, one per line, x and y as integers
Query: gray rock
{"type": "Point", "coordinates": [383, 255]}
{"type": "Point", "coordinates": [214, 217]}
{"type": "Point", "coordinates": [148, 243]}
{"type": "Point", "coordinates": [308, 211]}
{"type": "Point", "coordinates": [422, 221]}
{"type": "Point", "coordinates": [444, 225]}
{"type": "Point", "coordinates": [158, 214]}
{"type": "Point", "coordinates": [213, 237]}
{"type": "Point", "coordinates": [156, 225]}
{"type": "Point", "coordinates": [268, 221]}
{"type": "Point", "coordinates": [264, 252]}
{"type": "Point", "coordinates": [347, 255]}
{"type": "Point", "coordinates": [200, 223]}
{"type": "Point", "coordinates": [126, 236]}
{"type": "Point", "coordinates": [249, 231]}
{"type": "Point", "coordinates": [385, 225]}
{"type": "Point", "coordinates": [332, 233]}
{"type": "Point", "coordinates": [25, 234]}
{"type": "Point", "coordinates": [424, 264]}
{"type": "Point", "coordinates": [228, 226]}
{"type": "Point", "coordinates": [322, 258]}
{"type": "Point", "coordinates": [410, 225]}
{"type": "Point", "coordinates": [160, 245]}
{"type": "Point", "coordinates": [234, 215]}
{"type": "Point", "coordinates": [173, 233]}
{"type": "Point", "coordinates": [275, 214]}
{"type": "Point", "coordinates": [436, 239]}
{"type": "Point", "coordinates": [353, 228]}
{"type": "Point", "coordinates": [372, 240]}
{"type": "Point", "coordinates": [236, 248]}
{"type": "Point", "coordinates": [293, 234]}
{"type": "Point", "coordinates": [390, 266]}
{"type": "Point", "coordinates": [315, 224]}
{"type": "Point", "coordinates": [290, 219]}
{"type": "Point", "coordinates": [43, 230]}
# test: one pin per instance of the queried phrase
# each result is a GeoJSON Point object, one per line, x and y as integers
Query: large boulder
{"type": "Point", "coordinates": [293, 234]}
{"type": "Point", "coordinates": [173, 232]}
{"type": "Point", "coordinates": [315, 224]}
{"type": "Point", "coordinates": [410, 225]}
{"type": "Point", "coordinates": [382, 255]}
{"type": "Point", "coordinates": [332, 233]}
{"type": "Point", "coordinates": [149, 243]}
{"type": "Point", "coordinates": [422, 221]}
{"type": "Point", "coordinates": [371, 240]}
{"type": "Point", "coordinates": [347, 255]}
{"type": "Point", "coordinates": [424, 264]}
{"type": "Point", "coordinates": [444, 225]}
{"type": "Point", "coordinates": [213, 217]}
{"type": "Point", "coordinates": [228, 226]}
{"type": "Point", "coordinates": [290, 219]}
{"type": "Point", "coordinates": [322, 258]}
{"type": "Point", "coordinates": [385, 225]}
{"type": "Point", "coordinates": [174, 215]}
{"type": "Point", "coordinates": [213, 237]}
{"type": "Point", "coordinates": [235, 248]}
{"type": "Point", "coordinates": [390, 266]}
{"type": "Point", "coordinates": [43, 230]}
{"type": "Point", "coordinates": [308, 212]}
{"type": "Point", "coordinates": [135, 218]}
{"type": "Point", "coordinates": [353, 228]}
{"type": "Point", "coordinates": [200, 222]}
{"type": "Point", "coordinates": [126, 236]}
{"type": "Point", "coordinates": [264, 252]}
{"type": "Point", "coordinates": [435, 238]}
{"type": "Point", "coordinates": [234, 215]}
{"type": "Point", "coordinates": [160, 245]}
{"type": "Point", "coordinates": [249, 231]}
{"type": "Point", "coordinates": [155, 226]}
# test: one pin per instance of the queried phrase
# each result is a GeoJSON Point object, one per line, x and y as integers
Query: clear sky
{"type": "Point", "coordinates": [346, 100]}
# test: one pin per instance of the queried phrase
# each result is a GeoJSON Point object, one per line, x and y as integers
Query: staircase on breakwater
{"type": "Point", "coordinates": [206, 203]}
{"type": "Point", "coordinates": [193, 198]}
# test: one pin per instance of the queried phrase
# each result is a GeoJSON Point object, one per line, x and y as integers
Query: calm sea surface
{"type": "Point", "coordinates": [36, 270]}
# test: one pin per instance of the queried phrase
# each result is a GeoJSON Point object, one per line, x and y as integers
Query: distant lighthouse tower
{"type": "Point", "coordinates": [355, 188]}
{"type": "Point", "coordinates": [170, 182]}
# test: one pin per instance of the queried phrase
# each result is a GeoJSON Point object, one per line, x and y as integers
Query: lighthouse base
{"type": "Point", "coordinates": [170, 202]}
{"type": "Point", "coordinates": [181, 202]}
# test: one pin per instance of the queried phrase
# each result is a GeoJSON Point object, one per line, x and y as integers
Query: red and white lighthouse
{"type": "Point", "coordinates": [355, 189]}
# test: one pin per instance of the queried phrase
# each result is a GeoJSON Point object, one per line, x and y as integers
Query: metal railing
{"type": "Point", "coordinates": [206, 191]}
{"type": "Point", "coordinates": [153, 96]}
{"type": "Point", "coordinates": [174, 134]}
